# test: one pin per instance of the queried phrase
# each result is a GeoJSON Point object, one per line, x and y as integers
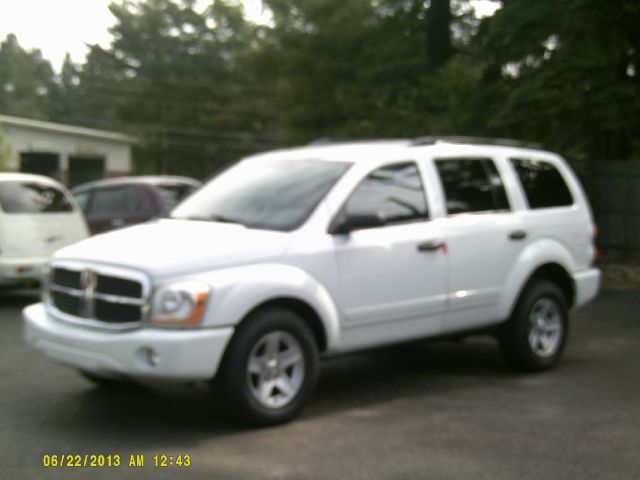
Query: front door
{"type": "Point", "coordinates": [392, 276]}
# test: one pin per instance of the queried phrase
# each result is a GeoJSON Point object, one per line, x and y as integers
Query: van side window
{"type": "Point", "coordinates": [394, 192]}
{"type": "Point", "coordinates": [542, 183]}
{"type": "Point", "coordinates": [472, 185]}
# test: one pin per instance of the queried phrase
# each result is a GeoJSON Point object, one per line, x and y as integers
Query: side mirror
{"type": "Point", "coordinates": [343, 223]}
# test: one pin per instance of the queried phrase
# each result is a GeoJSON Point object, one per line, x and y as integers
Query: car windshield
{"type": "Point", "coordinates": [32, 197]}
{"type": "Point", "coordinates": [268, 194]}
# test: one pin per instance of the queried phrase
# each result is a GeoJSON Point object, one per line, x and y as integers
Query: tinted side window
{"type": "Point", "coordinates": [394, 192]}
{"type": "Point", "coordinates": [114, 201]}
{"type": "Point", "coordinates": [472, 185]}
{"type": "Point", "coordinates": [542, 183]}
{"type": "Point", "coordinates": [32, 197]}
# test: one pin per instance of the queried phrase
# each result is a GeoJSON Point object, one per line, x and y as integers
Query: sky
{"type": "Point", "coordinates": [60, 26]}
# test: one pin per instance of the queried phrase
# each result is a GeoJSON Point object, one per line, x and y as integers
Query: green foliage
{"type": "Point", "coordinates": [26, 81]}
{"type": "Point", "coordinates": [201, 88]}
{"type": "Point", "coordinates": [565, 73]}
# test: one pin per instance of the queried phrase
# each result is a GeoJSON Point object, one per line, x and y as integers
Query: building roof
{"type": "Point", "coordinates": [66, 129]}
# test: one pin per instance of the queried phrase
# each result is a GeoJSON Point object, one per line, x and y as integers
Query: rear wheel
{"type": "Point", "coordinates": [270, 368]}
{"type": "Point", "coordinates": [535, 335]}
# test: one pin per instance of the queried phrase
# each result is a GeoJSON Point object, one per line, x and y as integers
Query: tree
{"type": "Point", "coordinates": [438, 34]}
{"type": "Point", "coordinates": [185, 95]}
{"type": "Point", "coordinates": [26, 80]}
{"type": "Point", "coordinates": [565, 73]}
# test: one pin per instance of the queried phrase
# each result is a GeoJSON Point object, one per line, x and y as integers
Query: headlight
{"type": "Point", "coordinates": [179, 303]}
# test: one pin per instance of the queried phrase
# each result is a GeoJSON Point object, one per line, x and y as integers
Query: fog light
{"type": "Point", "coordinates": [149, 356]}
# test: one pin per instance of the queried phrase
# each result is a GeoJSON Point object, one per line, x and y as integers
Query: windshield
{"type": "Point", "coordinates": [269, 194]}
{"type": "Point", "coordinates": [32, 197]}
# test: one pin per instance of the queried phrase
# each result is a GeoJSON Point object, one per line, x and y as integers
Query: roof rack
{"type": "Point", "coordinates": [504, 142]}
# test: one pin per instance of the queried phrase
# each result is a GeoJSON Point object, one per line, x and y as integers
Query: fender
{"type": "Point", "coordinates": [238, 290]}
{"type": "Point", "coordinates": [533, 256]}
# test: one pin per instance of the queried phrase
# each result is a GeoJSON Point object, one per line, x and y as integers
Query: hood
{"type": "Point", "coordinates": [172, 247]}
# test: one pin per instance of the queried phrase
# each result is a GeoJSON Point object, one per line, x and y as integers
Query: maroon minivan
{"type": "Point", "coordinates": [118, 202]}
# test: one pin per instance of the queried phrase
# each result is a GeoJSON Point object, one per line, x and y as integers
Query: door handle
{"type": "Point", "coordinates": [117, 222]}
{"type": "Point", "coordinates": [518, 235]}
{"type": "Point", "coordinates": [430, 245]}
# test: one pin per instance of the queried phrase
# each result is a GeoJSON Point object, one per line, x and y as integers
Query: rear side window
{"type": "Point", "coordinates": [394, 192]}
{"type": "Point", "coordinates": [471, 185]}
{"type": "Point", "coordinates": [114, 201]}
{"type": "Point", "coordinates": [32, 197]}
{"type": "Point", "coordinates": [542, 183]}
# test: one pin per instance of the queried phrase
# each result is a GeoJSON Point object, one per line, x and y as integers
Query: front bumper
{"type": "Point", "coordinates": [14, 271]}
{"type": "Point", "coordinates": [184, 355]}
{"type": "Point", "coordinates": [587, 284]}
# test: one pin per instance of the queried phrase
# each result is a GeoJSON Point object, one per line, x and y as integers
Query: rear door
{"type": "Point", "coordinates": [483, 234]}
{"type": "Point", "coordinates": [37, 219]}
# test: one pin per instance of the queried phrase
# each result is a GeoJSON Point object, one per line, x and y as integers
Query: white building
{"type": "Point", "coordinates": [71, 154]}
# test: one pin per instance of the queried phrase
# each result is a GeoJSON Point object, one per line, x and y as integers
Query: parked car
{"type": "Point", "coordinates": [122, 201]}
{"type": "Point", "coordinates": [37, 216]}
{"type": "Point", "coordinates": [318, 251]}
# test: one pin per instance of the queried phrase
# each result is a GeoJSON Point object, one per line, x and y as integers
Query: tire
{"type": "Point", "coordinates": [107, 382]}
{"type": "Point", "coordinates": [534, 337]}
{"type": "Point", "coordinates": [270, 368]}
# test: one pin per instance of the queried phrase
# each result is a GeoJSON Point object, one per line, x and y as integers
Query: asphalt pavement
{"type": "Point", "coordinates": [437, 410]}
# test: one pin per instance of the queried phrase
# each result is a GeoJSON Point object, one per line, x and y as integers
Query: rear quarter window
{"type": "Point", "coordinates": [32, 197]}
{"type": "Point", "coordinates": [542, 183]}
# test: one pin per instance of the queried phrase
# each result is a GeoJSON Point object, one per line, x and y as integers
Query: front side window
{"type": "Point", "coordinates": [542, 183]}
{"type": "Point", "coordinates": [265, 194]}
{"type": "Point", "coordinates": [393, 193]}
{"type": "Point", "coordinates": [32, 197]}
{"type": "Point", "coordinates": [471, 185]}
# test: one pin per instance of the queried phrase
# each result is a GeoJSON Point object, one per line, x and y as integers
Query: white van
{"type": "Point", "coordinates": [37, 217]}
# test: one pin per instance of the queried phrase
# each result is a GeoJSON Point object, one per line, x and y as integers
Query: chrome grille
{"type": "Point", "coordinates": [90, 295]}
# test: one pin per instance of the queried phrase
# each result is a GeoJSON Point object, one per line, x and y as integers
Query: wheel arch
{"type": "Point", "coordinates": [300, 307]}
{"type": "Point", "coordinates": [554, 273]}
{"type": "Point", "coordinates": [545, 259]}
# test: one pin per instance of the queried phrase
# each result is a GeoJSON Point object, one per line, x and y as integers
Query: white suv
{"type": "Point", "coordinates": [317, 251]}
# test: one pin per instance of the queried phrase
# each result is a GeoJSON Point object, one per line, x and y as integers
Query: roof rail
{"type": "Point", "coordinates": [504, 142]}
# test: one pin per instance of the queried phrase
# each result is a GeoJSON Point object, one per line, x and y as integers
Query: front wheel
{"type": "Point", "coordinates": [270, 368]}
{"type": "Point", "coordinates": [535, 335]}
